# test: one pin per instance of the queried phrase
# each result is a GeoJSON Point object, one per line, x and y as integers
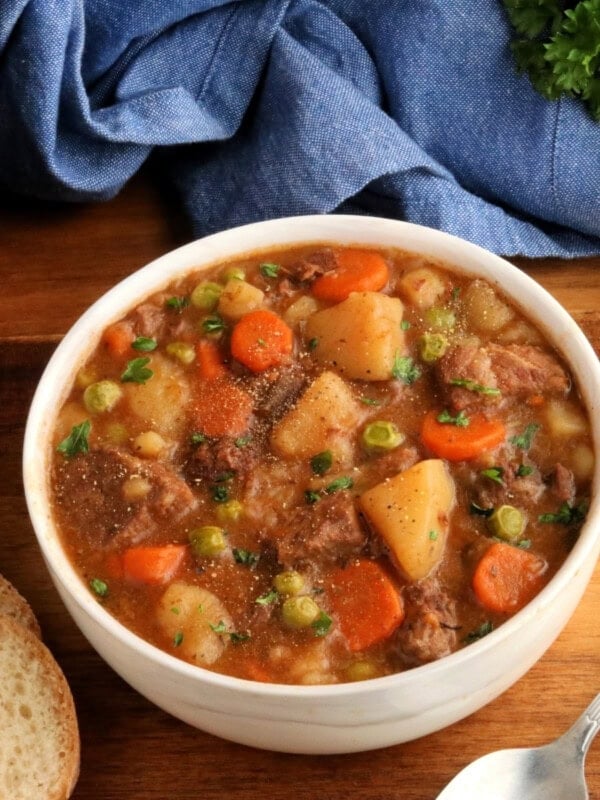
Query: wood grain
{"type": "Point", "coordinates": [54, 261]}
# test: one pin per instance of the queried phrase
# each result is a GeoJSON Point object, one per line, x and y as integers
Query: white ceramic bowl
{"type": "Point", "coordinates": [317, 719]}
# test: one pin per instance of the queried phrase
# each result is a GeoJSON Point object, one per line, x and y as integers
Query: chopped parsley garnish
{"type": "Point", "coordinates": [237, 638]}
{"type": "Point", "coordinates": [405, 325]}
{"type": "Point", "coordinates": [523, 470]}
{"type": "Point", "coordinates": [197, 438]}
{"type": "Point", "coordinates": [311, 497]}
{"type": "Point", "coordinates": [77, 440]}
{"type": "Point", "coordinates": [175, 610]}
{"type": "Point", "coordinates": [479, 633]}
{"type": "Point", "coordinates": [267, 598]}
{"type": "Point", "coordinates": [321, 462]}
{"type": "Point", "coordinates": [460, 420]}
{"type": "Point", "coordinates": [480, 511]}
{"type": "Point", "coordinates": [213, 324]}
{"type": "Point", "coordinates": [322, 624]}
{"type": "Point", "coordinates": [242, 441]}
{"type": "Point", "coordinates": [312, 343]}
{"type": "Point", "coordinates": [524, 440]}
{"type": "Point", "coordinates": [245, 557]}
{"type": "Point", "coordinates": [220, 494]}
{"type": "Point", "coordinates": [404, 369]}
{"type": "Point", "coordinates": [144, 344]}
{"type": "Point", "coordinates": [472, 386]}
{"type": "Point", "coordinates": [344, 482]}
{"type": "Point", "coordinates": [177, 303]}
{"type": "Point", "coordinates": [370, 401]}
{"type": "Point", "coordinates": [99, 587]}
{"type": "Point", "coordinates": [269, 270]}
{"type": "Point", "coordinates": [220, 627]}
{"type": "Point", "coordinates": [566, 514]}
{"type": "Point", "coordinates": [494, 474]}
{"type": "Point", "coordinates": [178, 638]}
{"type": "Point", "coordinates": [136, 371]}
{"type": "Point", "coordinates": [524, 544]}
{"type": "Point", "coordinates": [225, 476]}
{"type": "Point", "coordinates": [455, 292]}
{"type": "Point", "coordinates": [433, 536]}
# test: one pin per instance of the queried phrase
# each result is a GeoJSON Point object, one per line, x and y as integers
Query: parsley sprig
{"type": "Point", "coordinates": [559, 48]}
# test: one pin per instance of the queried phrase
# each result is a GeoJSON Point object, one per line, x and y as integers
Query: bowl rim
{"type": "Point", "coordinates": [291, 231]}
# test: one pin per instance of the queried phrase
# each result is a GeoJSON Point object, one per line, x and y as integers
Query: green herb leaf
{"type": "Point", "coordinates": [523, 470]}
{"type": "Point", "coordinates": [99, 587]}
{"type": "Point", "coordinates": [472, 386]}
{"type": "Point", "coordinates": [197, 438]}
{"type": "Point", "coordinates": [460, 420]}
{"type": "Point", "coordinates": [238, 638]}
{"type": "Point", "coordinates": [242, 441]}
{"type": "Point", "coordinates": [144, 345]}
{"type": "Point", "coordinates": [177, 303]}
{"type": "Point", "coordinates": [494, 474]}
{"type": "Point", "coordinates": [344, 482]}
{"type": "Point", "coordinates": [313, 343]}
{"type": "Point", "coordinates": [213, 324]}
{"type": "Point", "coordinates": [405, 325]}
{"type": "Point", "coordinates": [321, 462]}
{"type": "Point", "coordinates": [370, 401]}
{"type": "Point", "coordinates": [311, 497]}
{"type": "Point", "coordinates": [433, 536]}
{"type": "Point", "coordinates": [220, 627]}
{"type": "Point", "coordinates": [322, 624]}
{"type": "Point", "coordinates": [77, 440]}
{"type": "Point", "coordinates": [525, 439]}
{"type": "Point", "coordinates": [245, 557]}
{"type": "Point", "coordinates": [267, 598]}
{"type": "Point", "coordinates": [178, 638]}
{"type": "Point", "coordinates": [566, 514]}
{"type": "Point", "coordinates": [479, 633]}
{"type": "Point", "coordinates": [269, 270]}
{"type": "Point", "coordinates": [136, 371]}
{"type": "Point", "coordinates": [524, 544]}
{"type": "Point", "coordinates": [220, 494]}
{"type": "Point", "coordinates": [404, 369]}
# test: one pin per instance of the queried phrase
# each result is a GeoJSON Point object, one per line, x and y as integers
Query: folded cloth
{"type": "Point", "coordinates": [262, 108]}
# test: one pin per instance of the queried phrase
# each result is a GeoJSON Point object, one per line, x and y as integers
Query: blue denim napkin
{"type": "Point", "coordinates": [262, 108]}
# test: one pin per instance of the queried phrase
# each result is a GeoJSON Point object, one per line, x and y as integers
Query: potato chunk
{"type": "Point", "coordinates": [162, 401]}
{"type": "Point", "coordinates": [422, 287]}
{"type": "Point", "coordinates": [324, 418]}
{"type": "Point", "coordinates": [411, 513]}
{"type": "Point", "coordinates": [359, 336]}
{"type": "Point", "coordinates": [239, 298]}
{"type": "Point", "coordinates": [185, 613]}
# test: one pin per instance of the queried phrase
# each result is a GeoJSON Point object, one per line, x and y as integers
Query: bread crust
{"type": "Point", "coordinates": [39, 746]}
{"type": "Point", "coordinates": [14, 605]}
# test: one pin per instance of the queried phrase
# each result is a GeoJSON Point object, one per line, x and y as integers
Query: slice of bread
{"type": "Point", "coordinates": [13, 604]}
{"type": "Point", "coordinates": [39, 737]}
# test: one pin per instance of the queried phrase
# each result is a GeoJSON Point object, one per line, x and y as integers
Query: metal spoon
{"type": "Point", "coordinates": [535, 773]}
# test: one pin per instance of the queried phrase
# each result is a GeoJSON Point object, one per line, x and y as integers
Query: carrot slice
{"type": "Point", "coordinates": [153, 565]}
{"type": "Point", "coordinates": [209, 360]}
{"type": "Point", "coordinates": [366, 603]}
{"type": "Point", "coordinates": [356, 271]}
{"type": "Point", "coordinates": [457, 443]}
{"type": "Point", "coordinates": [118, 338]}
{"type": "Point", "coordinates": [261, 340]}
{"type": "Point", "coordinates": [222, 408]}
{"type": "Point", "coordinates": [507, 577]}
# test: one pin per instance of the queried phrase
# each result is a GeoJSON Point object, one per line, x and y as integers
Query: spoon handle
{"type": "Point", "coordinates": [583, 731]}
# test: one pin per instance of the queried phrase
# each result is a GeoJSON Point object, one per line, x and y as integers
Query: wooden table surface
{"type": "Point", "coordinates": [55, 261]}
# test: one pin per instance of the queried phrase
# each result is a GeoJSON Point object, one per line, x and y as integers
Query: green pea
{"type": "Point", "coordinates": [209, 540]}
{"type": "Point", "coordinates": [299, 612]}
{"type": "Point", "coordinates": [440, 318]}
{"type": "Point", "coordinates": [382, 435]}
{"type": "Point", "coordinates": [361, 671]}
{"type": "Point", "coordinates": [289, 582]}
{"type": "Point", "coordinates": [101, 396]}
{"type": "Point", "coordinates": [230, 511]}
{"type": "Point", "coordinates": [506, 522]}
{"type": "Point", "coordinates": [432, 346]}
{"type": "Point", "coordinates": [182, 351]}
{"type": "Point", "coordinates": [206, 295]}
{"type": "Point", "coordinates": [234, 274]}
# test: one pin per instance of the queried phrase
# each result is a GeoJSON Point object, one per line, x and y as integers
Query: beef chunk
{"type": "Point", "coordinates": [277, 390]}
{"type": "Point", "coordinates": [148, 320]}
{"type": "Point", "coordinates": [214, 458]}
{"type": "Point", "coordinates": [91, 492]}
{"type": "Point", "coordinates": [514, 488]}
{"type": "Point", "coordinates": [563, 484]}
{"type": "Point", "coordinates": [429, 628]}
{"type": "Point", "coordinates": [516, 370]}
{"type": "Point", "coordinates": [307, 269]}
{"type": "Point", "coordinates": [327, 532]}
